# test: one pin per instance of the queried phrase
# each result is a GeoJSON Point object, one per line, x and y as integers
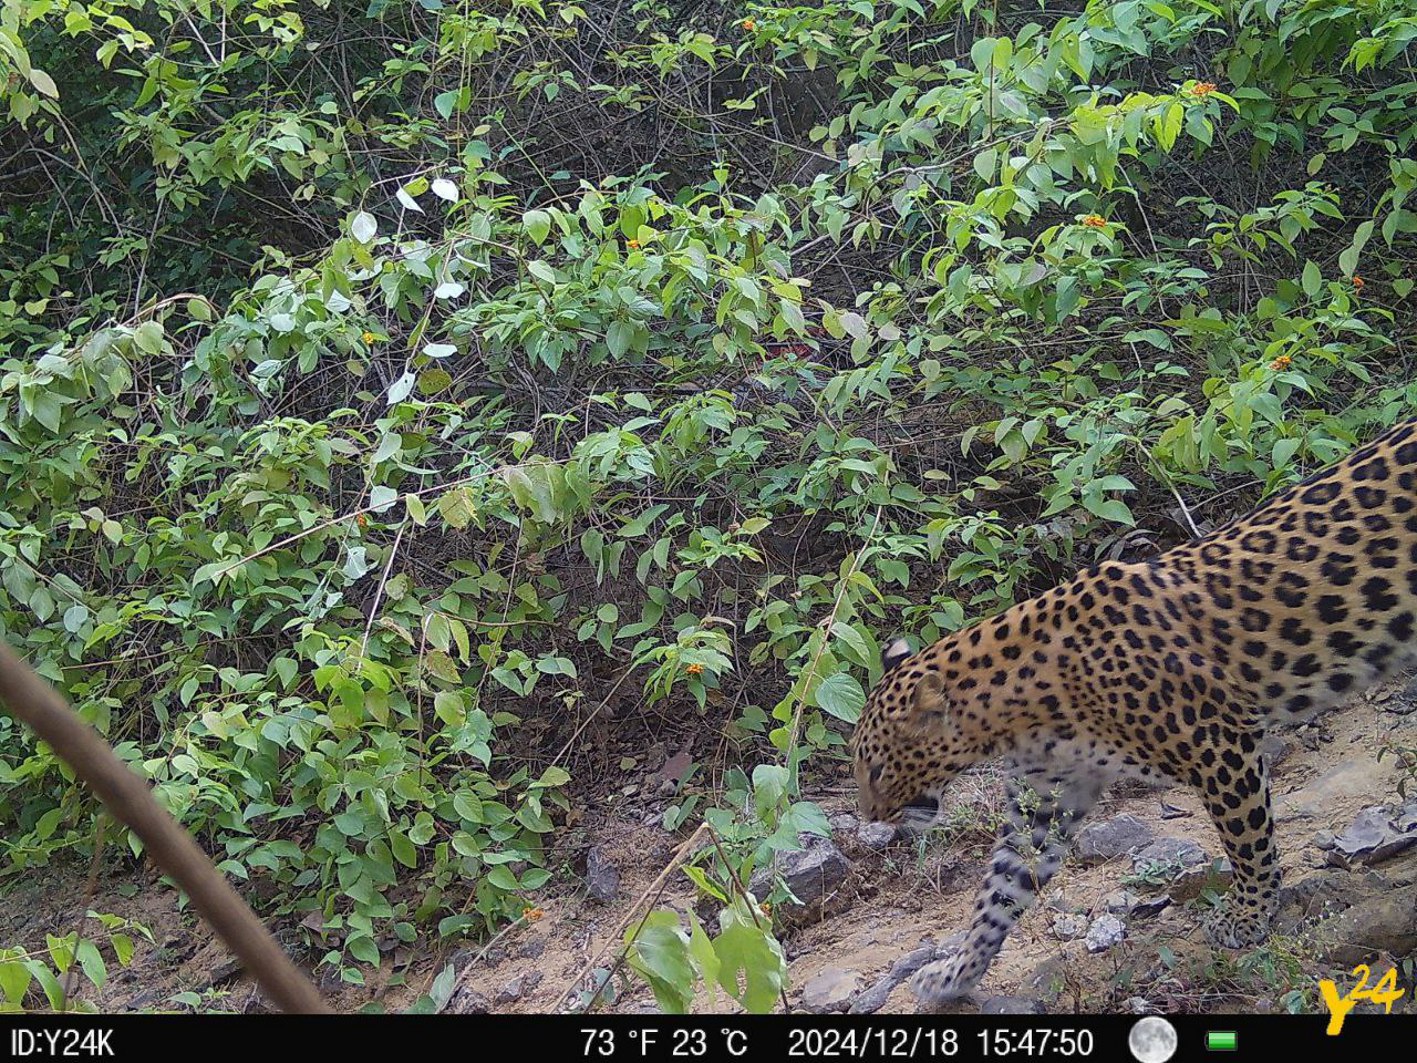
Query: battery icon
{"type": "Point", "coordinates": [1222, 1040]}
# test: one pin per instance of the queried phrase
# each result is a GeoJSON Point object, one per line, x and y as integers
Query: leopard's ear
{"type": "Point", "coordinates": [929, 704]}
{"type": "Point", "coordinates": [899, 650]}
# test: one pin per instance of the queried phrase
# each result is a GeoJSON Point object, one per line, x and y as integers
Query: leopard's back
{"type": "Point", "coordinates": [1312, 597]}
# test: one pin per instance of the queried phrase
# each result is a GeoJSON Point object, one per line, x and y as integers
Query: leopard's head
{"type": "Point", "coordinates": [907, 746]}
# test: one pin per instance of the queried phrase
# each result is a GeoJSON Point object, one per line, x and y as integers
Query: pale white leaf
{"type": "Point", "coordinates": [401, 388]}
{"type": "Point", "coordinates": [364, 227]}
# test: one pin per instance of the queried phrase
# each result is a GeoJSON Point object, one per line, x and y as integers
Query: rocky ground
{"type": "Point", "coordinates": [1117, 930]}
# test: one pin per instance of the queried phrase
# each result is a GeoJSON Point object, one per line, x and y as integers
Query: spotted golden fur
{"type": "Point", "coordinates": [1170, 668]}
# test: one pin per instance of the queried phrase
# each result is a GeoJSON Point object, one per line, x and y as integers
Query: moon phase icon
{"type": "Point", "coordinates": [1152, 1040]}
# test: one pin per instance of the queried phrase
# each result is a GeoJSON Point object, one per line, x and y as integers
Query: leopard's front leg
{"type": "Point", "coordinates": [1044, 811]}
{"type": "Point", "coordinates": [1236, 793]}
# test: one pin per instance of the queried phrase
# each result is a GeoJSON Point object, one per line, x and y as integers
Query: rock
{"type": "Point", "coordinates": [1068, 927]}
{"type": "Point", "coordinates": [927, 952]}
{"type": "Point", "coordinates": [1354, 779]}
{"type": "Point", "coordinates": [1120, 902]}
{"type": "Point", "coordinates": [1277, 748]}
{"type": "Point", "coordinates": [466, 1001]}
{"type": "Point", "coordinates": [532, 948]}
{"type": "Point", "coordinates": [602, 879]}
{"type": "Point", "coordinates": [830, 990]}
{"type": "Point", "coordinates": [1386, 922]}
{"type": "Point", "coordinates": [1323, 895]}
{"type": "Point", "coordinates": [813, 874]}
{"type": "Point", "coordinates": [875, 835]}
{"type": "Point", "coordinates": [844, 821]}
{"type": "Point", "coordinates": [1138, 1005]}
{"type": "Point", "coordinates": [1378, 833]}
{"type": "Point", "coordinates": [1062, 901]}
{"type": "Point", "coordinates": [1011, 1006]}
{"type": "Point", "coordinates": [1099, 842]}
{"type": "Point", "coordinates": [1178, 852]}
{"type": "Point", "coordinates": [1104, 933]}
{"type": "Point", "coordinates": [1191, 883]}
{"type": "Point", "coordinates": [1046, 981]}
{"type": "Point", "coordinates": [1406, 817]}
{"type": "Point", "coordinates": [1149, 908]}
{"type": "Point", "coordinates": [1323, 840]}
{"type": "Point", "coordinates": [517, 988]}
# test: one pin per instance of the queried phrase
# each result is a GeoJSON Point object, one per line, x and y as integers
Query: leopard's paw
{"type": "Point", "coordinates": [944, 980]}
{"type": "Point", "coordinates": [1235, 926]}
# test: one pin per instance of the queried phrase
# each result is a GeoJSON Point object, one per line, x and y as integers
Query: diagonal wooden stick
{"type": "Point", "coordinates": [34, 702]}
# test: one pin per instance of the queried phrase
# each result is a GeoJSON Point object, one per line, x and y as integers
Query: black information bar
{"type": "Point", "coordinates": [666, 1038]}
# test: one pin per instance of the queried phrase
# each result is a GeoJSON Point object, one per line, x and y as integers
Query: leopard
{"type": "Point", "coordinates": [1169, 670]}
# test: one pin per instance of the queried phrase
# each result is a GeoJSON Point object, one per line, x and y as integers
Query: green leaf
{"type": "Point", "coordinates": [403, 849]}
{"type": "Point", "coordinates": [841, 695]}
{"type": "Point", "coordinates": [537, 224]}
{"type": "Point", "coordinates": [750, 957]}
{"type": "Point", "coordinates": [502, 877]}
{"type": "Point", "coordinates": [1312, 279]}
{"type": "Point", "coordinates": [659, 953]}
{"type": "Point", "coordinates": [14, 980]}
{"type": "Point", "coordinates": [1348, 258]}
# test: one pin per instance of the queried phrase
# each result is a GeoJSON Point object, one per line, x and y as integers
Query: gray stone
{"type": "Point", "coordinates": [1324, 840]}
{"type": "Point", "coordinates": [1377, 834]}
{"type": "Point", "coordinates": [1061, 900]}
{"type": "Point", "coordinates": [1099, 842]}
{"type": "Point", "coordinates": [602, 879]}
{"type": "Point", "coordinates": [1149, 908]}
{"type": "Point", "coordinates": [1277, 748]}
{"type": "Point", "coordinates": [1046, 981]}
{"type": "Point", "coordinates": [1386, 922]}
{"type": "Point", "coordinates": [875, 835]}
{"type": "Point", "coordinates": [1191, 883]}
{"type": "Point", "coordinates": [1011, 1006]}
{"type": "Point", "coordinates": [1353, 779]}
{"type": "Point", "coordinates": [467, 1001]}
{"type": "Point", "coordinates": [1120, 902]}
{"type": "Point", "coordinates": [830, 990]}
{"type": "Point", "coordinates": [1104, 933]}
{"type": "Point", "coordinates": [813, 875]}
{"type": "Point", "coordinates": [1180, 852]}
{"type": "Point", "coordinates": [517, 988]}
{"type": "Point", "coordinates": [1068, 927]}
{"type": "Point", "coordinates": [927, 952]}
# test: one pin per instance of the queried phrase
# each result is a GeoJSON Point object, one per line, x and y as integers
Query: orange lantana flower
{"type": "Point", "coordinates": [1357, 284]}
{"type": "Point", "coordinates": [632, 244]}
{"type": "Point", "coordinates": [1095, 221]}
{"type": "Point", "coordinates": [1281, 363]}
{"type": "Point", "coordinates": [1202, 89]}
{"type": "Point", "coordinates": [695, 669]}
{"type": "Point", "coordinates": [531, 914]}
{"type": "Point", "coordinates": [750, 25]}
{"type": "Point", "coordinates": [369, 337]}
